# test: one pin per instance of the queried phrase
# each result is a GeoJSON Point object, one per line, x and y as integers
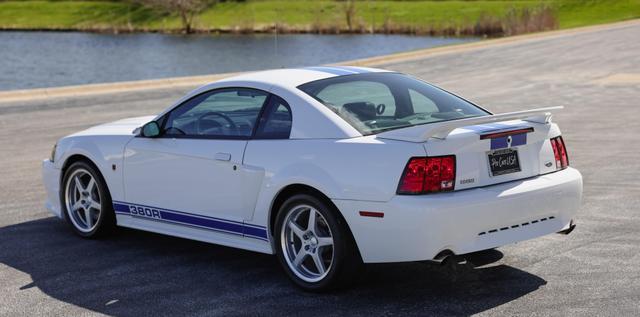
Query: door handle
{"type": "Point", "coordinates": [223, 156]}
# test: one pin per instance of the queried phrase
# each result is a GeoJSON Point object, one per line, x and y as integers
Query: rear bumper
{"type": "Point", "coordinates": [416, 228]}
{"type": "Point", "coordinates": [51, 180]}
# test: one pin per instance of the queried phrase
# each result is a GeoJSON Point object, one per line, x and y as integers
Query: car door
{"type": "Point", "coordinates": [192, 174]}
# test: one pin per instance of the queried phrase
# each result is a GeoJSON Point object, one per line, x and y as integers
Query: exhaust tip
{"type": "Point", "coordinates": [572, 225]}
{"type": "Point", "coordinates": [447, 257]}
{"type": "Point", "coordinates": [443, 255]}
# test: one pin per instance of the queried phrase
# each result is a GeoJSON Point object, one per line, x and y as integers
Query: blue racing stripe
{"type": "Point", "coordinates": [118, 207]}
{"type": "Point", "coordinates": [358, 70]}
{"type": "Point", "coordinates": [182, 212]}
{"type": "Point", "coordinates": [256, 232]}
{"type": "Point", "coordinates": [178, 217]}
{"type": "Point", "coordinates": [331, 70]}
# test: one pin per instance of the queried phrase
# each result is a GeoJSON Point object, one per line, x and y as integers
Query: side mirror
{"type": "Point", "coordinates": [150, 130]}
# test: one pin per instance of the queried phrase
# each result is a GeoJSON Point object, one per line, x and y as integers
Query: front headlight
{"type": "Point", "coordinates": [53, 152]}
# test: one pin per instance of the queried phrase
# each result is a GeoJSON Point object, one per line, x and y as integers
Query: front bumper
{"type": "Point", "coordinates": [51, 180]}
{"type": "Point", "coordinates": [416, 228]}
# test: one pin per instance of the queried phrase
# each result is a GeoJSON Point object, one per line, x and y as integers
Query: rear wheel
{"type": "Point", "coordinates": [86, 201]}
{"type": "Point", "coordinates": [314, 245]}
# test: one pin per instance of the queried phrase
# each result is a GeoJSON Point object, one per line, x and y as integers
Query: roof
{"type": "Point", "coordinates": [294, 77]}
{"type": "Point", "coordinates": [312, 122]}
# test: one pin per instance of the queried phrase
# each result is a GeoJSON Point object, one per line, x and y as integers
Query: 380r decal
{"type": "Point", "coordinates": [193, 220]}
{"type": "Point", "coordinates": [144, 211]}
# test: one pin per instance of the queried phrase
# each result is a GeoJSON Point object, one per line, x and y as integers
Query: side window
{"type": "Point", "coordinates": [229, 112]}
{"type": "Point", "coordinates": [361, 99]}
{"type": "Point", "coordinates": [422, 104]}
{"type": "Point", "coordinates": [276, 120]}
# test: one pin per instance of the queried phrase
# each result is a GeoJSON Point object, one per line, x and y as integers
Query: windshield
{"type": "Point", "coordinates": [376, 102]}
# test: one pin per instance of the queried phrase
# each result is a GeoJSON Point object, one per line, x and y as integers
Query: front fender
{"type": "Point", "coordinates": [105, 152]}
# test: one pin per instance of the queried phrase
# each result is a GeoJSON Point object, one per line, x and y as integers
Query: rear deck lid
{"type": "Point", "coordinates": [489, 149]}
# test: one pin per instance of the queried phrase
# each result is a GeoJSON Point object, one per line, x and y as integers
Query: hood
{"type": "Point", "coordinates": [120, 127]}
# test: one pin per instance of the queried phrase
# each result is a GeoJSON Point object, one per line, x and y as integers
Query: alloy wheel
{"type": "Point", "coordinates": [307, 243]}
{"type": "Point", "coordinates": [83, 201]}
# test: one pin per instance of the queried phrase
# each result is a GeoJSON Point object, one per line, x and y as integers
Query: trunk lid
{"type": "Point", "coordinates": [482, 142]}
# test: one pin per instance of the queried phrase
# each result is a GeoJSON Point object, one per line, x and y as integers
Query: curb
{"type": "Point", "coordinates": [106, 88]}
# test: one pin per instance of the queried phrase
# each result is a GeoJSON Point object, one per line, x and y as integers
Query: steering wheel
{"type": "Point", "coordinates": [232, 124]}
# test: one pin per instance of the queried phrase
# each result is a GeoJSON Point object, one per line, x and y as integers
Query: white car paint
{"type": "Point", "coordinates": [225, 189]}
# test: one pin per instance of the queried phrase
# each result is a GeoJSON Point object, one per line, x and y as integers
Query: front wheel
{"type": "Point", "coordinates": [314, 245]}
{"type": "Point", "coordinates": [86, 201]}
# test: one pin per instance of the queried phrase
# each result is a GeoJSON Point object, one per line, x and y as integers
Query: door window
{"type": "Point", "coordinates": [223, 113]}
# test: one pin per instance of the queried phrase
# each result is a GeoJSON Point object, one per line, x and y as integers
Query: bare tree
{"type": "Point", "coordinates": [186, 9]}
{"type": "Point", "coordinates": [349, 7]}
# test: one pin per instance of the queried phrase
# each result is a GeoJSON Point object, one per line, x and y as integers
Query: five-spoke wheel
{"type": "Point", "coordinates": [87, 203]}
{"type": "Point", "coordinates": [83, 200]}
{"type": "Point", "coordinates": [307, 243]}
{"type": "Point", "coordinates": [314, 244]}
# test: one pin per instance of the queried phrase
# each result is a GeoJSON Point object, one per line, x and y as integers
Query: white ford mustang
{"type": "Point", "coordinates": [326, 167]}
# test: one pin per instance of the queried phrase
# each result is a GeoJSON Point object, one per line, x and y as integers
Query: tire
{"type": "Point", "coordinates": [84, 195]}
{"type": "Point", "coordinates": [301, 249]}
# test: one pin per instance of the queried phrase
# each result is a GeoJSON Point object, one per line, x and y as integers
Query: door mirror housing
{"type": "Point", "coordinates": [150, 130]}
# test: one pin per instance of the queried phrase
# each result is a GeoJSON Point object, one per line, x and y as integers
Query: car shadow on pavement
{"type": "Point", "coordinates": [134, 273]}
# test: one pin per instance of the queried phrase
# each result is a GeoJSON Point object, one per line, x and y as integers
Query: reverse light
{"type": "Point", "coordinates": [560, 153]}
{"type": "Point", "coordinates": [424, 175]}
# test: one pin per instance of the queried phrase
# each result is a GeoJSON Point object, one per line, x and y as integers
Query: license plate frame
{"type": "Point", "coordinates": [503, 161]}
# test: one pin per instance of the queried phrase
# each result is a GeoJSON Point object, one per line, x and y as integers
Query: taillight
{"type": "Point", "coordinates": [564, 158]}
{"type": "Point", "coordinates": [412, 181]}
{"type": "Point", "coordinates": [560, 153]}
{"type": "Point", "coordinates": [556, 152]}
{"type": "Point", "coordinates": [424, 175]}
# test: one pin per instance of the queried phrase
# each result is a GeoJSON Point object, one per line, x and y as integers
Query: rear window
{"type": "Point", "coordinates": [376, 102]}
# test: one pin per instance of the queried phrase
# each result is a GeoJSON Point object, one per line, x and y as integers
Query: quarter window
{"type": "Point", "coordinates": [276, 120]}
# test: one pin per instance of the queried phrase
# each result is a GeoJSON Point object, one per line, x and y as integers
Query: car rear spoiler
{"type": "Point", "coordinates": [440, 130]}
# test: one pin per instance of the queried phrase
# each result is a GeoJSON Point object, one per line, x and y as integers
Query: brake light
{"type": "Point", "coordinates": [432, 175]}
{"type": "Point", "coordinates": [564, 158]}
{"type": "Point", "coordinates": [556, 153]}
{"type": "Point", "coordinates": [424, 175]}
{"type": "Point", "coordinates": [560, 153]}
{"type": "Point", "coordinates": [412, 181]}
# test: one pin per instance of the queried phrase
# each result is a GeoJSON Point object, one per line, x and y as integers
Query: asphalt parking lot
{"type": "Point", "coordinates": [45, 269]}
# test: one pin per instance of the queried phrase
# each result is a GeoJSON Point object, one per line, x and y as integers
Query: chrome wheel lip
{"type": "Point", "coordinates": [83, 203]}
{"type": "Point", "coordinates": [311, 248]}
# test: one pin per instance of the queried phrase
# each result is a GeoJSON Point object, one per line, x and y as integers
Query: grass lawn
{"type": "Point", "coordinates": [368, 13]}
{"type": "Point", "coordinates": [581, 13]}
{"type": "Point", "coordinates": [301, 15]}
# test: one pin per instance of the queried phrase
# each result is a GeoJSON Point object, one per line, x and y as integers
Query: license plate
{"type": "Point", "coordinates": [504, 162]}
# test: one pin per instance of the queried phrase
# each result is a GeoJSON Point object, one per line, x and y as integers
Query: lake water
{"type": "Point", "coordinates": [48, 59]}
